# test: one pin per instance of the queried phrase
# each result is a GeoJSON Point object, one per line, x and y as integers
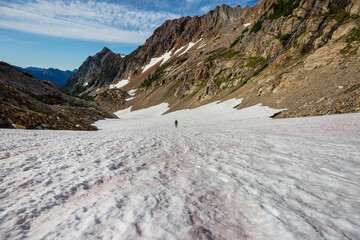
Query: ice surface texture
{"type": "Point", "coordinates": [222, 174]}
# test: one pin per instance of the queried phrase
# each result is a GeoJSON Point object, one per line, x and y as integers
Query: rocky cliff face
{"type": "Point", "coordinates": [174, 34]}
{"type": "Point", "coordinates": [27, 102]}
{"type": "Point", "coordinates": [278, 53]}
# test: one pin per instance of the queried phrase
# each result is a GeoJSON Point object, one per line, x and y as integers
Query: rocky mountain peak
{"type": "Point", "coordinates": [88, 73]}
{"type": "Point", "coordinates": [224, 9]}
{"type": "Point", "coordinates": [225, 13]}
{"type": "Point", "coordinates": [105, 51]}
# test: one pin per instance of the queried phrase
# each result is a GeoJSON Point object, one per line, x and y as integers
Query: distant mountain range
{"type": "Point", "coordinates": [53, 75]}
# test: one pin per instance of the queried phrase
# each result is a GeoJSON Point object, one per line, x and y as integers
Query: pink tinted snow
{"type": "Point", "coordinates": [222, 174]}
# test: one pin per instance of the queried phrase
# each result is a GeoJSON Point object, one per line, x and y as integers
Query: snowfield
{"type": "Point", "coordinates": [222, 174]}
{"type": "Point", "coordinates": [120, 84]}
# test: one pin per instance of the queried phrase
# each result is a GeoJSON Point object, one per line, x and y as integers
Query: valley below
{"type": "Point", "coordinates": [222, 174]}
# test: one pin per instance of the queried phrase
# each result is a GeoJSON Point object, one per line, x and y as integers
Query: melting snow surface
{"type": "Point", "coordinates": [166, 56]}
{"type": "Point", "coordinates": [247, 24]}
{"type": "Point", "coordinates": [190, 45]}
{"type": "Point", "coordinates": [129, 99]}
{"type": "Point", "coordinates": [201, 46]}
{"type": "Point", "coordinates": [179, 49]}
{"type": "Point", "coordinates": [120, 84]}
{"type": "Point", "coordinates": [132, 92]}
{"type": "Point", "coordinates": [222, 174]}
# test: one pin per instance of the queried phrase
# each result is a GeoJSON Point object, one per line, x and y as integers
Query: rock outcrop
{"type": "Point", "coordinates": [27, 102]}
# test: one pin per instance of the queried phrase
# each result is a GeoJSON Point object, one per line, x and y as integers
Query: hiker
{"type": "Point", "coordinates": [176, 123]}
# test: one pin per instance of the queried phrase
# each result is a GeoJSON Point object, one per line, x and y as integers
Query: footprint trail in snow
{"type": "Point", "coordinates": [222, 174]}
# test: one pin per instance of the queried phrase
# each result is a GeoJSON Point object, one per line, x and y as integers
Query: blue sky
{"type": "Point", "coordinates": [63, 33]}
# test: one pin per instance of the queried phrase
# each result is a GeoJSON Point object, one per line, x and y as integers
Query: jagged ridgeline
{"type": "Point", "coordinates": [298, 55]}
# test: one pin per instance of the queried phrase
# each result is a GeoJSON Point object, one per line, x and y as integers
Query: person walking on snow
{"type": "Point", "coordinates": [176, 123]}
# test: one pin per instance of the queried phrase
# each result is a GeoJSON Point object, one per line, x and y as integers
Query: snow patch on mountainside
{"type": "Point", "coordinates": [164, 58]}
{"type": "Point", "coordinates": [132, 92]}
{"type": "Point", "coordinates": [180, 49]}
{"type": "Point", "coordinates": [152, 62]}
{"type": "Point", "coordinates": [190, 45]}
{"type": "Point", "coordinates": [201, 46]}
{"type": "Point", "coordinates": [120, 84]}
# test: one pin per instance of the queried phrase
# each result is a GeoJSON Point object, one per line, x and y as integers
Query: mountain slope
{"type": "Point", "coordinates": [53, 75]}
{"type": "Point", "coordinates": [27, 102]}
{"type": "Point", "coordinates": [95, 71]}
{"type": "Point", "coordinates": [290, 61]}
{"type": "Point", "coordinates": [275, 53]}
{"type": "Point", "coordinates": [172, 35]}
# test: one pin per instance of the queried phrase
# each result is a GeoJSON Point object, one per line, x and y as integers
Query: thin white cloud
{"type": "Point", "coordinates": [205, 9]}
{"type": "Point", "coordinates": [89, 20]}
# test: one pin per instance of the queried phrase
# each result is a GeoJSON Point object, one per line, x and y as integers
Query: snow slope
{"type": "Point", "coordinates": [120, 84]}
{"type": "Point", "coordinates": [190, 45]}
{"type": "Point", "coordinates": [164, 58]}
{"type": "Point", "coordinates": [222, 174]}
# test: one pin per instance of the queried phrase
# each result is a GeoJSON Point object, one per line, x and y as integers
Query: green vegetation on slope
{"type": "Point", "coordinates": [282, 8]}
{"type": "Point", "coordinates": [78, 90]}
{"type": "Point", "coordinates": [283, 37]}
{"type": "Point", "coordinates": [257, 26]}
{"type": "Point", "coordinates": [219, 81]}
{"type": "Point", "coordinates": [346, 17]}
{"type": "Point", "coordinates": [256, 61]}
{"type": "Point", "coordinates": [353, 88]}
{"type": "Point", "coordinates": [157, 74]}
{"type": "Point", "coordinates": [279, 9]}
{"type": "Point", "coordinates": [107, 72]}
{"type": "Point", "coordinates": [236, 41]}
{"type": "Point", "coordinates": [225, 55]}
{"type": "Point", "coordinates": [352, 37]}
{"type": "Point", "coordinates": [86, 97]}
